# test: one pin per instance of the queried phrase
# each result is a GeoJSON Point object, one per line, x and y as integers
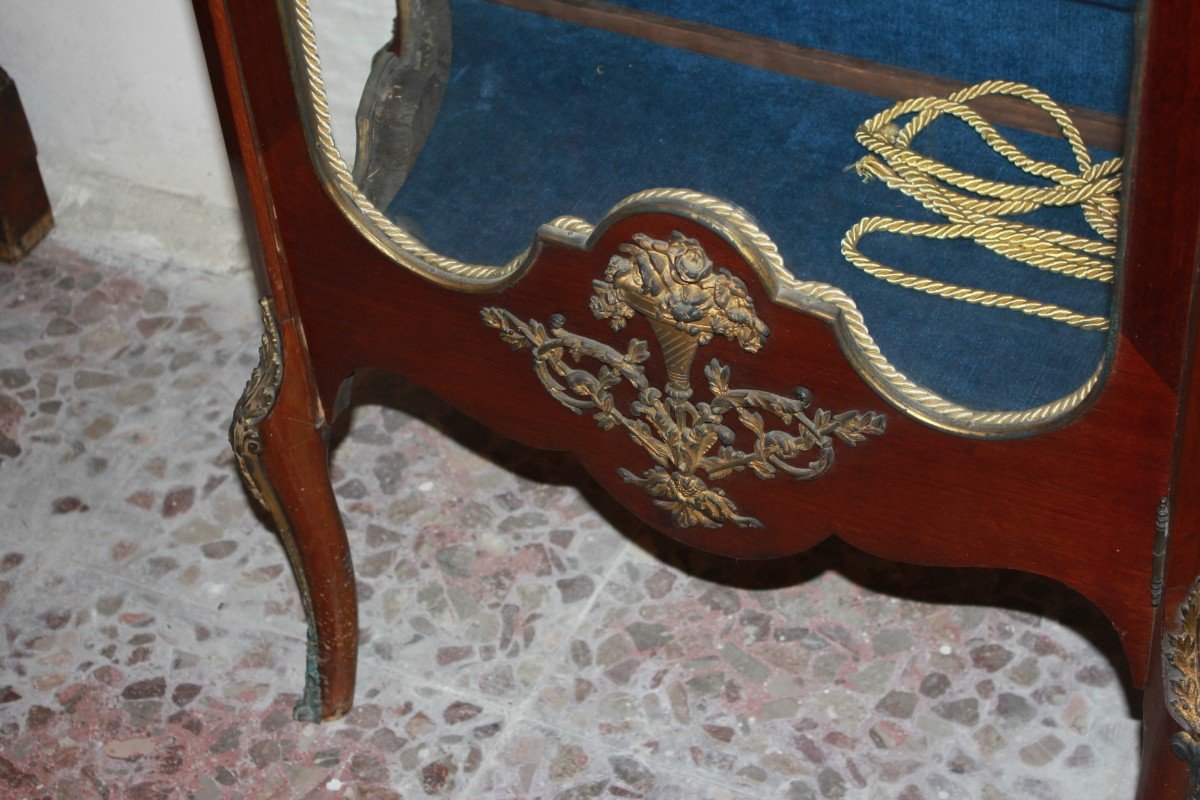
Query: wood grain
{"type": "Point", "coordinates": [1161, 295]}
{"type": "Point", "coordinates": [1162, 212]}
{"type": "Point", "coordinates": [295, 455]}
{"type": "Point", "coordinates": [1076, 504]}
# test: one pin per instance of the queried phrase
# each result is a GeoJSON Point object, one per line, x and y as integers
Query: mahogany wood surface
{"type": "Point", "coordinates": [849, 72]}
{"type": "Point", "coordinates": [294, 433]}
{"type": "Point", "coordinates": [1076, 504]}
{"type": "Point", "coordinates": [1170, 94]}
{"type": "Point", "coordinates": [1163, 225]}
{"type": "Point", "coordinates": [1053, 505]}
{"type": "Point", "coordinates": [25, 216]}
{"type": "Point", "coordinates": [296, 458]}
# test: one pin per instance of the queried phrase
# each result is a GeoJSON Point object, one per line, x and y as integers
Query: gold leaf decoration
{"type": "Point", "coordinates": [687, 302]}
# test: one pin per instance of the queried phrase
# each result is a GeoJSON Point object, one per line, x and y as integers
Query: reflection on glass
{"type": "Point", "coordinates": [975, 229]}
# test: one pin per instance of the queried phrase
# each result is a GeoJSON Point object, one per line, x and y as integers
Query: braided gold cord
{"type": "Point", "coordinates": [930, 402]}
{"type": "Point", "coordinates": [342, 176]}
{"type": "Point", "coordinates": [907, 392]}
{"type": "Point", "coordinates": [979, 210]}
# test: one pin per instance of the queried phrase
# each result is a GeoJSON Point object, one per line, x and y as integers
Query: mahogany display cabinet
{"type": "Point", "coordinates": [923, 278]}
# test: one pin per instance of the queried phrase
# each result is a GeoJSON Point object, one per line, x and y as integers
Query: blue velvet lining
{"type": "Point", "coordinates": [1077, 51]}
{"type": "Point", "coordinates": [543, 118]}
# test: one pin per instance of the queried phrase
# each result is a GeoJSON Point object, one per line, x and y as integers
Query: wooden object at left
{"type": "Point", "coordinates": [25, 216]}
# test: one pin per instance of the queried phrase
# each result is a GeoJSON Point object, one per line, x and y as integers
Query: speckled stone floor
{"type": "Point", "coordinates": [521, 636]}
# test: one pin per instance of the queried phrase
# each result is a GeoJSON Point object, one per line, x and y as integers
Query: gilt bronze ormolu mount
{"type": "Point", "coordinates": [674, 285]}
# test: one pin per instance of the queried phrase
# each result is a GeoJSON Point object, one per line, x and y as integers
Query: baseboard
{"type": "Point", "coordinates": [112, 220]}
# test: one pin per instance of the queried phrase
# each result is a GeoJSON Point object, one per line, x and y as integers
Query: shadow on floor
{"type": "Point", "coordinates": [1019, 593]}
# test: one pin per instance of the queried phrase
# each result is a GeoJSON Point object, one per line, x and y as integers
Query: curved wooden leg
{"type": "Point", "coordinates": [276, 437]}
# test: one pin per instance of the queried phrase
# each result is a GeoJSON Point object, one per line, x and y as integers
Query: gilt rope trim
{"type": "Point", "coordinates": [343, 178]}
{"type": "Point", "coordinates": [982, 210]}
{"type": "Point", "coordinates": [910, 397]}
{"type": "Point", "coordinates": [255, 405]}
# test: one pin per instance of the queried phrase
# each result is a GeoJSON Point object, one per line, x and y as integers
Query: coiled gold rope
{"type": "Point", "coordinates": [911, 394]}
{"type": "Point", "coordinates": [980, 209]}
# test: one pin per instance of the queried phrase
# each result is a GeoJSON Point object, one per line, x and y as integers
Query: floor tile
{"type": "Point", "coordinates": [535, 762]}
{"type": "Point", "coordinates": [790, 676]}
{"type": "Point", "coordinates": [522, 637]}
{"type": "Point", "coordinates": [109, 689]}
{"type": "Point", "coordinates": [470, 569]}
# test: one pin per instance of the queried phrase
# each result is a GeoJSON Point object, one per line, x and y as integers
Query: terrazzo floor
{"type": "Point", "coordinates": [521, 636]}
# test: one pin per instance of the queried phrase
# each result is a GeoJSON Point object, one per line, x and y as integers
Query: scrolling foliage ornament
{"type": "Point", "coordinates": [256, 402]}
{"type": "Point", "coordinates": [1183, 659]}
{"type": "Point", "coordinates": [674, 286]}
{"type": "Point", "coordinates": [254, 406]}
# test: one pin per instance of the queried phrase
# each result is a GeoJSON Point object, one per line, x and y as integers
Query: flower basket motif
{"type": "Point", "coordinates": [687, 302]}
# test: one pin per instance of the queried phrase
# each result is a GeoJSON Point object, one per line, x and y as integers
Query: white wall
{"type": "Point", "coordinates": [349, 33]}
{"type": "Point", "coordinates": [118, 97]}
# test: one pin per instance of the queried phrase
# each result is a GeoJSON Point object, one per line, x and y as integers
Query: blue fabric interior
{"type": "Point", "coordinates": [543, 118]}
{"type": "Point", "coordinates": [1075, 50]}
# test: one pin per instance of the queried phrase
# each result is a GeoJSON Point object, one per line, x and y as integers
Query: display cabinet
{"type": "Point", "coordinates": [917, 275]}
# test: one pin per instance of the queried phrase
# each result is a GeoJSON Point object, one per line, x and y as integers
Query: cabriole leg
{"type": "Point", "coordinates": [284, 460]}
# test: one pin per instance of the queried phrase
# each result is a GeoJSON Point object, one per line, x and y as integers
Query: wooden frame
{"type": "Point", "coordinates": [342, 302]}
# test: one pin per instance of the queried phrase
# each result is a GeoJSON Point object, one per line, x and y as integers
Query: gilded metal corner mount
{"type": "Point", "coordinates": [674, 285]}
{"type": "Point", "coordinates": [257, 400]}
{"type": "Point", "coordinates": [1183, 659]}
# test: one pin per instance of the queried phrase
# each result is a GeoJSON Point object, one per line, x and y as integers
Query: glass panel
{"type": "Point", "coordinates": [981, 257]}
